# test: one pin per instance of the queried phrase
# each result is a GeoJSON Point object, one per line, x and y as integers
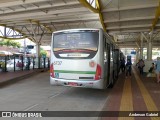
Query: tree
{"type": "Point", "coordinates": [43, 52]}
{"type": "Point", "coordinates": [7, 43]}
{"type": "Point", "coordinates": [10, 43]}
{"type": "Point", "coordinates": [1, 43]}
{"type": "Point", "coordinates": [18, 45]}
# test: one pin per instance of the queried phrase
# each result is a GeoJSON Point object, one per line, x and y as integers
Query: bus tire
{"type": "Point", "coordinates": [110, 85]}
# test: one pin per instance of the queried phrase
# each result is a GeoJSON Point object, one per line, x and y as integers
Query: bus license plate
{"type": "Point", "coordinates": [72, 84]}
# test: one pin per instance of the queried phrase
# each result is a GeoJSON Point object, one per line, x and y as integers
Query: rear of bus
{"type": "Point", "coordinates": [75, 58]}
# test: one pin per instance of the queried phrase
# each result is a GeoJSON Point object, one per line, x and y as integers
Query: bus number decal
{"type": "Point", "coordinates": [57, 62]}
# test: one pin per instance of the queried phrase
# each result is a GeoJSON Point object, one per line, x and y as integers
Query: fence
{"type": "Point", "coordinates": [22, 63]}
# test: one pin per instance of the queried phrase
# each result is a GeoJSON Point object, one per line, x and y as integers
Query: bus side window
{"type": "Point", "coordinates": [108, 55]}
{"type": "Point", "coordinates": [105, 48]}
{"type": "Point", "coordinates": [111, 52]}
{"type": "Point", "coordinates": [113, 47]}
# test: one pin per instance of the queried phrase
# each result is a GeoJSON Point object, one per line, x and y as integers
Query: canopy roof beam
{"type": "Point", "coordinates": [157, 14]}
{"type": "Point", "coordinates": [95, 10]}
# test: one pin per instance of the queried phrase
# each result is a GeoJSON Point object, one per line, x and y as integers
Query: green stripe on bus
{"type": "Point", "coordinates": [74, 72]}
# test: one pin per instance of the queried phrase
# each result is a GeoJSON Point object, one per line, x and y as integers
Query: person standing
{"type": "Point", "coordinates": [158, 69]}
{"type": "Point", "coordinates": [128, 67]}
{"type": "Point", "coordinates": [151, 68]}
{"type": "Point", "coordinates": [122, 66]}
{"type": "Point", "coordinates": [141, 66]}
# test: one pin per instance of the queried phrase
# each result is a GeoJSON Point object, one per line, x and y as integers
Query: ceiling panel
{"type": "Point", "coordinates": [121, 17]}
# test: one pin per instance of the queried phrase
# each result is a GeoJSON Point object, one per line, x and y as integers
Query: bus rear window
{"type": "Point", "coordinates": [84, 41]}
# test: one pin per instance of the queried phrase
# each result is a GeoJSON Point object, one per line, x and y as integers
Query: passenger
{"type": "Point", "coordinates": [141, 66]}
{"type": "Point", "coordinates": [138, 63]}
{"type": "Point", "coordinates": [158, 69]}
{"type": "Point", "coordinates": [18, 64]}
{"type": "Point", "coordinates": [151, 68]}
{"type": "Point", "coordinates": [28, 64]}
{"type": "Point", "coordinates": [122, 66]}
{"type": "Point", "coordinates": [128, 67]}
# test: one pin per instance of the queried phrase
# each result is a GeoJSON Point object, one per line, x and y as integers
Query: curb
{"type": "Point", "coordinates": [17, 79]}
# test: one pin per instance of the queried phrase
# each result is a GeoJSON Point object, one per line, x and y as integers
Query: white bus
{"type": "Point", "coordinates": [83, 58]}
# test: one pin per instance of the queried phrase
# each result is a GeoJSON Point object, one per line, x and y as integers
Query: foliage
{"type": "Point", "coordinates": [145, 53]}
{"type": "Point", "coordinates": [10, 43]}
{"type": "Point", "coordinates": [43, 52]}
{"type": "Point", "coordinates": [1, 43]}
{"type": "Point", "coordinates": [155, 53]}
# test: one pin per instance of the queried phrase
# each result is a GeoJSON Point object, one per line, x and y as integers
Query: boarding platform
{"type": "Point", "coordinates": [134, 96]}
{"type": "Point", "coordinates": [7, 78]}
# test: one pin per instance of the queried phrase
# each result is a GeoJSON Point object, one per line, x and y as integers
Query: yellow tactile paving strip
{"type": "Point", "coordinates": [126, 101]}
{"type": "Point", "coordinates": [146, 96]}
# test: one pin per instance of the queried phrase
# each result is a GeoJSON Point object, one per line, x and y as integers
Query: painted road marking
{"type": "Point", "coordinates": [31, 107]}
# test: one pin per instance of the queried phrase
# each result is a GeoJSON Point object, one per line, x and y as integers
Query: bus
{"type": "Point", "coordinates": [85, 58]}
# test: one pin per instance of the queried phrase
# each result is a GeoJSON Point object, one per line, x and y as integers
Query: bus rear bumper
{"type": "Point", "coordinates": [96, 84]}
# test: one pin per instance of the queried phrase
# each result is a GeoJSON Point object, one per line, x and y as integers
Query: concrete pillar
{"type": "Point", "coordinates": [149, 61]}
{"type": "Point", "coordinates": [115, 37]}
{"type": "Point", "coordinates": [141, 53]}
{"type": "Point", "coordinates": [149, 49]}
{"type": "Point", "coordinates": [5, 32]}
{"type": "Point", "coordinates": [37, 50]}
{"type": "Point", "coordinates": [141, 47]}
{"type": "Point", "coordinates": [137, 56]}
{"type": "Point", "coordinates": [37, 59]}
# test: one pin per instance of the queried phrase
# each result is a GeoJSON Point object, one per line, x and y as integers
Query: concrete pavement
{"type": "Point", "coordinates": [7, 78]}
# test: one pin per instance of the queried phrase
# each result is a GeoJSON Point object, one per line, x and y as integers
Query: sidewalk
{"type": "Point", "coordinates": [7, 78]}
{"type": "Point", "coordinates": [135, 94]}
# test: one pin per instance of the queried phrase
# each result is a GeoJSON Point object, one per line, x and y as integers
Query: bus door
{"type": "Point", "coordinates": [105, 50]}
{"type": "Point", "coordinates": [116, 62]}
{"type": "Point", "coordinates": [107, 63]}
{"type": "Point", "coordinates": [111, 65]}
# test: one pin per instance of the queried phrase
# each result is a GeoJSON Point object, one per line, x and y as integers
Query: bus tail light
{"type": "Point", "coordinates": [98, 72]}
{"type": "Point", "coordinates": [52, 71]}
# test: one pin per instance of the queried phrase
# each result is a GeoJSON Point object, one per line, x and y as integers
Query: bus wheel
{"type": "Point", "coordinates": [117, 76]}
{"type": "Point", "coordinates": [112, 81]}
{"type": "Point", "coordinates": [110, 85]}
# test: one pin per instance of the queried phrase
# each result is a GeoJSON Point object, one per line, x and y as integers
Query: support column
{"type": "Point", "coordinates": [137, 56]}
{"type": "Point", "coordinates": [37, 50]}
{"type": "Point", "coordinates": [115, 37]}
{"type": "Point", "coordinates": [38, 60]}
{"type": "Point", "coordinates": [5, 34]}
{"type": "Point", "coordinates": [149, 49]}
{"type": "Point", "coordinates": [141, 47]}
{"type": "Point", "coordinates": [149, 61]}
